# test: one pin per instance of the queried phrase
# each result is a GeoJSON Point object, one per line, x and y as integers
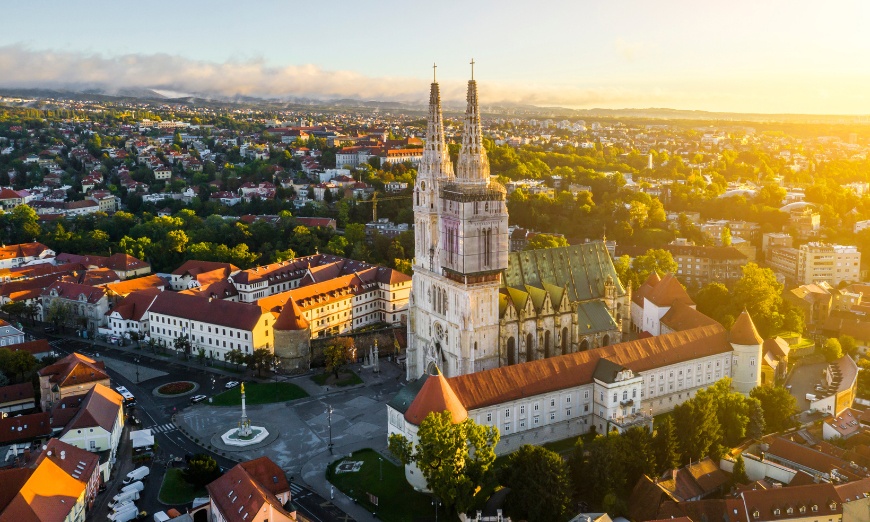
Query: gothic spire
{"type": "Point", "coordinates": [436, 158]}
{"type": "Point", "coordinates": [473, 164]}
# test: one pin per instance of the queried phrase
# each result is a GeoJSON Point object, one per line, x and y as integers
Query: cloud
{"type": "Point", "coordinates": [23, 67]}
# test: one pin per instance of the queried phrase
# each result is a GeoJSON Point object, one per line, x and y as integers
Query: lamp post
{"type": "Point", "coordinates": [436, 503]}
{"type": "Point", "coordinates": [136, 360]}
{"type": "Point", "coordinates": [329, 419]}
{"type": "Point", "coordinates": [381, 467]}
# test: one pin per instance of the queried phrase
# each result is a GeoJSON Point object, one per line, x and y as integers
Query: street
{"type": "Point", "coordinates": [141, 375]}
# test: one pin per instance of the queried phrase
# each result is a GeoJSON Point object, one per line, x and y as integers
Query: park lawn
{"type": "Point", "coordinates": [397, 500]}
{"type": "Point", "coordinates": [175, 490]}
{"type": "Point", "coordinates": [565, 447]}
{"type": "Point", "coordinates": [260, 393]}
{"type": "Point", "coordinates": [345, 378]}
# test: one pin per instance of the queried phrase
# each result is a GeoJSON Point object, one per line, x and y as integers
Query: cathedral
{"type": "Point", "coordinates": [473, 305]}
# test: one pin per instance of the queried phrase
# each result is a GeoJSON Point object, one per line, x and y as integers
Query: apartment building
{"type": "Point", "coordinates": [214, 325]}
{"type": "Point", "coordinates": [699, 265]}
{"type": "Point", "coordinates": [825, 262]}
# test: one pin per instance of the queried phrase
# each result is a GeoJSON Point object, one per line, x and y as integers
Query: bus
{"type": "Point", "coordinates": [129, 398]}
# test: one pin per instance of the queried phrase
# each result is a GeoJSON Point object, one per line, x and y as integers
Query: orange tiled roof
{"type": "Point", "coordinates": [669, 291]}
{"type": "Point", "coordinates": [291, 318]}
{"type": "Point", "coordinates": [743, 331]}
{"type": "Point", "coordinates": [124, 288]}
{"type": "Point", "coordinates": [435, 396]}
{"type": "Point", "coordinates": [75, 369]}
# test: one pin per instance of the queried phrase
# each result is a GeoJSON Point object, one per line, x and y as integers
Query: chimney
{"type": "Point", "coordinates": [674, 474]}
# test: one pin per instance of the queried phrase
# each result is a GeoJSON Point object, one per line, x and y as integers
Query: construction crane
{"type": "Point", "coordinates": [374, 201]}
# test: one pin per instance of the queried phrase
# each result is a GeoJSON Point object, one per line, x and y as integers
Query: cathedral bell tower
{"type": "Point", "coordinates": [461, 251]}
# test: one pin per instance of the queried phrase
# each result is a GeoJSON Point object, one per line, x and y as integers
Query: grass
{"type": "Point", "coordinates": [345, 378]}
{"type": "Point", "coordinates": [397, 500]}
{"type": "Point", "coordinates": [260, 393]}
{"type": "Point", "coordinates": [175, 490]}
{"type": "Point", "coordinates": [565, 447]}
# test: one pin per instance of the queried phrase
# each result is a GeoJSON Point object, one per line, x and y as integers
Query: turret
{"type": "Point", "coordinates": [746, 361]}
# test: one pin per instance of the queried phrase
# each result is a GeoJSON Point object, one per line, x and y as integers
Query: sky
{"type": "Point", "coordinates": [738, 56]}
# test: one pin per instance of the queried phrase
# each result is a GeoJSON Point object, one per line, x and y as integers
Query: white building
{"type": "Point", "coordinates": [97, 425]}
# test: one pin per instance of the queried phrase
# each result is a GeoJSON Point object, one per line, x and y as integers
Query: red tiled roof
{"type": "Point", "coordinates": [243, 316]}
{"type": "Point", "coordinates": [16, 392]}
{"type": "Point", "coordinates": [499, 385]}
{"type": "Point", "coordinates": [194, 267]}
{"type": "Point", "coordinates": [100, 407]}
{"type": "Point", "coordinates": [683, 317]}
{"type": "Point", "coordinates": [291, 318]}
{"type": "Point", "coordinates": [75, 369]}
{"type": "Point", "coordinates": [239, 496]}
{"type": "Point", "coordinates": [766, 502]}
{"type": "Point", "coordinates": [668, 292]}
{"type": "Point", "coordinates": [135, 305]}
{"type": "Point", "coordinates": [25, 427]}
{"type": "Point", "coordinates": [73, 291]}
{"type": "Point", "coordinates": [35, 348]}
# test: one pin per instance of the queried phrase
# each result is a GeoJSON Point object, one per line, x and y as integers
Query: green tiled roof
{"type": "Point", "coordinates": [581, 269]}
{"type": "Point", "coordinates": [593, 317]}
{"type": "Point", "coordinates": [538, 295]}
{"type": "Point", "coordinates": [403, 399]}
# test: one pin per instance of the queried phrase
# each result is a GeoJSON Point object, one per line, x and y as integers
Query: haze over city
{"type": "Point", "coordinates": [774, 57]}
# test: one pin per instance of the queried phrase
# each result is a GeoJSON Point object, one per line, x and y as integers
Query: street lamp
{"type": "Point", "coordinates": [436, 503]}
{"type": "Point", "coordinates": [136, 360]}
{"type": "Point", "coordinates": [329, 418]}
{"type": "Point", "coordinates": [381, 467]}
{"type": "Point", "coordinates": [212, 383]}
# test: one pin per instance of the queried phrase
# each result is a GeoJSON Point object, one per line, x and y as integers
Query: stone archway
{"type": "Point", "coordinates": [530, 347]}
{"type": "Point", "coordinates": [564, 340]}
{"type": "Point", "coordinates": [511, 351]}
{"type": "Point", "coordinates": [584, 345]}
{"type": "Point", "coordinates": [605, 341]}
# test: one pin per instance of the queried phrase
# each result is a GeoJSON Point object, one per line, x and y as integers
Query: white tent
{"type": "Point", "coordinates": [141, 439]}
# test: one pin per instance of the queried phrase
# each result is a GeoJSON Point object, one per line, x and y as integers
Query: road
{"type": "Point", "coordinates": [156, 413]}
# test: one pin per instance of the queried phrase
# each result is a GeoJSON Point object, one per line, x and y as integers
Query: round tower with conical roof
{"type": "Point", "coordinates": [746, 360]}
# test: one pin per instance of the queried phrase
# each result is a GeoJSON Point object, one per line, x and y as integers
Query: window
{"type": "Point", "coordinates": [568, 399]}
{"type": "Point", "coordinates": [536, 406]}
{"type": "Point", "coordinates": [552, 402]}
{"type": "Point", "coordinates": [568, 412]}
{"type": "Point", "coordinates": [614, 397]}
{"type": "Point", "coordinates": [552, 416]}
{"type": "Point", "coordinates": [507, 413]}
{"type": "Point", "coordinates": [489, 417]}
{"type": "Point", "coordinates": [537, 420]}
{"type": "Point", "coordinates": [523, 410]}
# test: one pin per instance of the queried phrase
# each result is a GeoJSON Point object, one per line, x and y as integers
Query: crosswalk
{"type": "Point", "coordinates": [298, 492]}
{"type": "Point", "coordinates": [163, 428]}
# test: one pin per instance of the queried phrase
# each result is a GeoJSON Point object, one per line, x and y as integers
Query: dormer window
{"type": "Point", "coordinates": [789, 511]}
{"type": "Point", "coordinates": [832, 505]}
{"type": "Point", "coordinates": [776, 511]}
{"type": "Point", "coordinates": [803, 509]}
{"type": "Point", "coordinates": [815, 508]}
{"type": "Point", "coordinates": [756, 514]}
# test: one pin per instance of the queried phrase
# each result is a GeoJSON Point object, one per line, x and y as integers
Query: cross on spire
{"type": "Point", "coordinates": [472, 68]}
{"type": "Point", "coordinates": [433, 72]}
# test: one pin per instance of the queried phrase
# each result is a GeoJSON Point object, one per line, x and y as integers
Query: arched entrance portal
{"type": "Point", "coordinates": [584, 345]}
{"type": "Point", "coordinates": [605, 341]}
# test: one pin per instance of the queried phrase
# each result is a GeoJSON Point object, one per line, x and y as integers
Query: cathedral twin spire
{"type": "Point", "coordinates": [473, 164]}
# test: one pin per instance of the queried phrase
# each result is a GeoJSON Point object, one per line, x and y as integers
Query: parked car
{"type": "Point", "coordinates": [198, 398]}
{"type": "Point", "coordinates": [231, 384]}
{"type": "Point", "coordinates": [49, 329]}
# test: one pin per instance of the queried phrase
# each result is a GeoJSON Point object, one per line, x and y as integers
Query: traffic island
{"type": "Point", "coordinates": [175, 389]}
{"type": "Point", "coordinates": [176, 491]}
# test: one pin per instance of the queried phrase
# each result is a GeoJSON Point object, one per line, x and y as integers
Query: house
{"type": "Point", "coordinates": [31, 429]}
{"type": "Point", "coordinates": [17, 398]}
{"type": "Point", "coordinates": [60, 486]}
{"type": "Point", "coordinates": [256, 490]}
{"type": "Point", "coordinates": [814, 300]}
{"type": "Point", "coordinates": [81, 208]}
{"type": "Point", "coordinates": [9, 334]}
{"type": "Point", "coordinates": [774, 364]}
{"type": "Point", "coordinates": [121, 289]}
{"type": "Point", "coordinates": [312, 222]}
{"type": "Point", "coordinates": [195, 273]}
{"type": "Point", "coordinates": [10, 199]}
{"type": "Point", "coordinates": [130, 314]}
{"type": "Point", "coordinates": [73, 375]}
{"type": "Point", "coordinates": [694, 481]}
{"type": "Point", "coordinates": [97, 426]}
{"type": "Point", "coordinates": [39, 348]}
{"type": "Point", "coordinates": [12, 256]}
{"type": "Point", "coordinates": [126, 266]}
{"type": "Point", "coordinates": [85, 305]}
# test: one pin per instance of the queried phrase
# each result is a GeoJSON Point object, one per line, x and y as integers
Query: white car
{"type": "Point", "coordinates": [231, 384]}
{"type": "Point", "coordinates": [198, 398]}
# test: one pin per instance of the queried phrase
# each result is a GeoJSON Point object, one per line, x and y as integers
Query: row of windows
{"type": "Point", "coordinates": [180, 322]}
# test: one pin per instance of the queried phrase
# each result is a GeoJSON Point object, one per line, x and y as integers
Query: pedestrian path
{"type": "Point", "coordinates": [163, 428]}
{"type": "Point", "coordinates": [298, 491]}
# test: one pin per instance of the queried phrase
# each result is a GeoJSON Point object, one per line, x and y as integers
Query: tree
{"type": "Point", "coordinates": [658, 260]}
{"type": "Point", "coordinates": [201, 470]}
{"type": "Point", "coordinates": [665, 446]}
{"type": "Point", "coordinates": [832, 350]}
{"type": "Point", "coordinates": [713, 300]}
{"type": "Point", "coordinates": [698, 428]}
{"type": "Point", "coordinates": [541, 241]}
{"type": "Point", "coordinates": [738, 474]}
{"type": "Point", "coordinates": [793, 321]}
{"type": "Point", "coordinates": [848, 344]}
{"type": "Point", "coordinates": [182, 344]}
{"type": "Point", "coordinates": [58, 312]}
{"type": "Point", "coordinates": [338, 353]}
{"type": "Point", "coordinates": [778, 405]}
{"type": "Point", "coordinates": [14, 309]}
{"type": "Point", "coordinates": [539, 485]}
{"type": "Point", "coordinates": [604, 468]}
{"type": "Point", "coordinates": [758, 292]}
{"type": "Point", "coordinates": [639, 456]}
{"type": "Point", "coordinates": [725, 237]}
{"type": "Point", "coordinates": [455, 459]}
{"type": "Point", "coordinates": [260, 359]}
{"type": "Point", "coordinates": [622, 265]}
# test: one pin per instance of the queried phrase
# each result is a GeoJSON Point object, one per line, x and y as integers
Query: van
{"type": "Point", "coordinates": [122, 506]}
{"type": "Point", "coordinates": [811, 397]}
{"type": "Point", "coordinates": [124, 496]}
{"type": "Point", "coordinates": [135, 486]}
{"type": "Point", "coordinates": [137, 474]}
{"type": "Point", "coordinates": [126, 513]}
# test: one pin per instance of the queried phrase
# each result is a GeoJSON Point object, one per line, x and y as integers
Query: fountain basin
{"type": "Point", "coordinates": [232, 438]}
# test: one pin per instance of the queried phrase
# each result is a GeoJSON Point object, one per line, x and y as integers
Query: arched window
{"type": "Point", "coordinates": [511, 351]}
{"type": "Point", "coordinates": [605, 341]}
{"type": "Point", "coordinates": [530, 347]}
{"type": "Point", "coordinates": [547, 344]}
{"type": "Point", "coordinates": [584, 345]}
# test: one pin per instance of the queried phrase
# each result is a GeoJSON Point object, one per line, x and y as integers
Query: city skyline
{"type": "Point", "coordinates": [776, 57]}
